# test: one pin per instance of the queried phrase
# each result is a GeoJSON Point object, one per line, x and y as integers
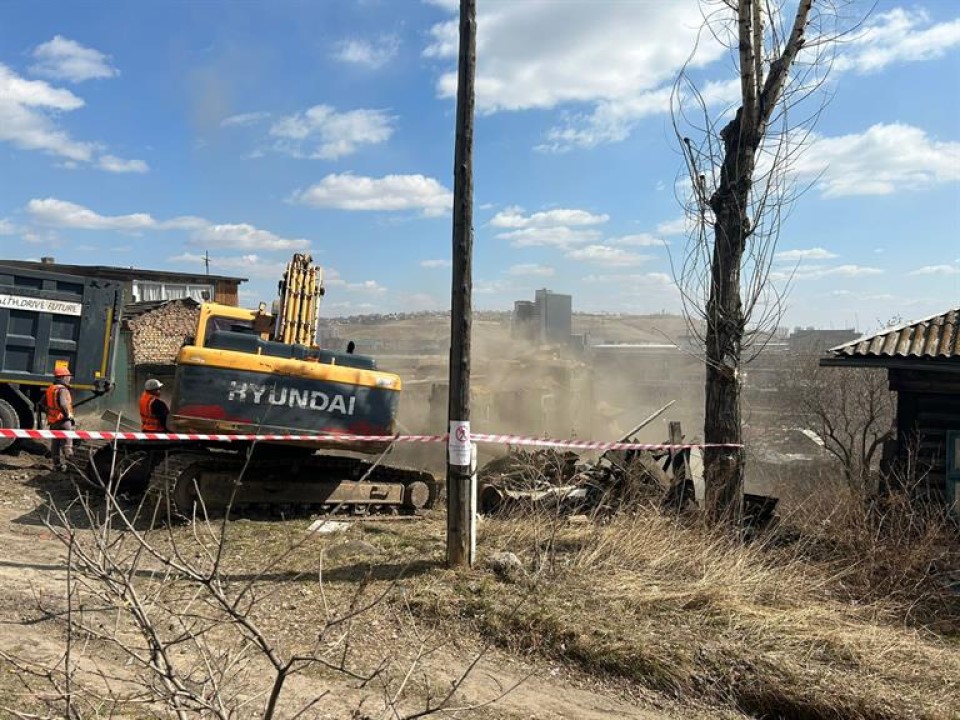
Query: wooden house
{"type": "Point", "coordinates": [922, 360]}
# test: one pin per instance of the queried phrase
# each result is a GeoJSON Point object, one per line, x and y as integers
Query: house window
{"type": "Point", "coordinates": [145, 290]}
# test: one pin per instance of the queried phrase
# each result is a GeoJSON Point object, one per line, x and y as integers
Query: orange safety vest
{"type": "Point", "coordinates": [54, 413]}
{"type": "Point", "coordinates": [148, 421]}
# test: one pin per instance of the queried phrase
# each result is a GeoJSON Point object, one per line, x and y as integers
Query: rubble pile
{"type": "Point", "coordinates": [559, 482]}
{"type": "Point", "coordinates": [158, 329]}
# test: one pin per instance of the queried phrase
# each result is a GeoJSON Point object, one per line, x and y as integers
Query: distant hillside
{"type": "Point", "coordinates": [429, 328]}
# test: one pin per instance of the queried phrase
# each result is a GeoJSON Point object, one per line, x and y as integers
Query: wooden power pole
{"type": "Point", "coordinates": [461, 503]}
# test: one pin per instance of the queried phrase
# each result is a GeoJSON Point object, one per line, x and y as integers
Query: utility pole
{"type": "Point", "coordinates": [206, 260]}
{"type": "Point", "coordinates": [461, 502]}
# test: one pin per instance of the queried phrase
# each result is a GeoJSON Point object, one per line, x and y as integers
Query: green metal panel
{"type": "Point", "coordinates": [46, 318]}
{"type": "Point", "coordinates": [123, 370]}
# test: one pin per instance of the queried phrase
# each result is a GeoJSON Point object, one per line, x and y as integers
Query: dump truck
{"type": "Point", "coordinates": [49, 319]}
{"type": "Point", "coordinates": [249, 371]}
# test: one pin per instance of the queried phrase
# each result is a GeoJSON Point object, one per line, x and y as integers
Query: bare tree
{"type": "Point", "coordinates": [738, 162]}
{"type": "Point", "coordinates": [158, 621]}
{"type": "Point", "coordinates": [852, 410]}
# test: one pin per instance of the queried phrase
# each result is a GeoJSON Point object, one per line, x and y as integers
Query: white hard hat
{"type": "Point", "coordinates": [152, 384]}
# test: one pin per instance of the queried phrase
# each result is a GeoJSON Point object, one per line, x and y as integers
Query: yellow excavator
{"type": "Point", "coordinates": [254, 372]}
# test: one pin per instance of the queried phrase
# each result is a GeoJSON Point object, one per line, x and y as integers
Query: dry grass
{"type": "Point", "coordinates": [836, 614]}
{"type": "Point", "coordinates": [840, 613]}
{"type": "Point", "coordinates": [897, 552]}
{"type": "Point", "coordinates": [689, 613]}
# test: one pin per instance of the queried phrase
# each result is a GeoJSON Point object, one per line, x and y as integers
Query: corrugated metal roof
{"type": "Point", "coordinates": [121, 273]}
{"type": "Point", "coordinates": [935, 337]}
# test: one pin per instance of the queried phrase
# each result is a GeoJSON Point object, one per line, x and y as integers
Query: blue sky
{"type": "Point", "coordinates": [148, 133]}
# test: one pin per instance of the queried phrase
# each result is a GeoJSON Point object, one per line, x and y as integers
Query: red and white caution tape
{"type": "Point", "coordinates": [588, 444]}
{"type": "Point", "coordinates": [474, 437]}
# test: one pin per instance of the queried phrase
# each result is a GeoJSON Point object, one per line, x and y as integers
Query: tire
{"type": "Point", "coordinates": [9, 420]}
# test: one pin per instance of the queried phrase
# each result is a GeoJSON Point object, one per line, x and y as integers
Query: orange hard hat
{"type": "Point", "coordinates": [62, 371]}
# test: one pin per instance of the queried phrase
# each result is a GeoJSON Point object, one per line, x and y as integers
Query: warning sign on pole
{"type": "Point", "coordinates": [458, 445]}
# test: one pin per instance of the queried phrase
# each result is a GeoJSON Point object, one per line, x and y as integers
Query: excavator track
{"type": "Point", "coordinates": [276, 480]}
{"type": "Point", "coordinates": [325, 484]}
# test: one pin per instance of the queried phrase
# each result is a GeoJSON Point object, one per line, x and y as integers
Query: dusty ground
{"type": "Point", "coordinates": [641, 616]}
{"type": "Point", "coordinates": [32, 567]}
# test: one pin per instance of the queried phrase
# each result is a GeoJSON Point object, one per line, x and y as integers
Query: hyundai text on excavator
{"type": "Point", "coordinates": [253, 372]}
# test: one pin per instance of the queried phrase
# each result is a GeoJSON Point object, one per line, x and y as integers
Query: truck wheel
{"type": "Point", "coordinates": [9, 420]}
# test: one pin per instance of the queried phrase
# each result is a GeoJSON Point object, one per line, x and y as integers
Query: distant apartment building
{"type": "Point", "coordinates": [815, 341]}
{"type": "Point", "coordinates": [547, 320]}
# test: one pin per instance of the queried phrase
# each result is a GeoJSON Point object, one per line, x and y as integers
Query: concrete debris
{"type": "Point", "coordinates": [507, 566]}
{"type": "Point", "coordinates": [352, 549]}
{"type": "Point", "coordinates": [323, 526]}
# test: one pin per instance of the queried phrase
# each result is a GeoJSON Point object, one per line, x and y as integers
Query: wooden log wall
{"type": "Point", "coordinates": [928, 406]}
{"type": "Point", "coordinates": [158, 335]}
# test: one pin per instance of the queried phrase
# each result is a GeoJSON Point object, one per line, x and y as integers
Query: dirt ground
{"type": "Point", "coordinates": [32, 567]}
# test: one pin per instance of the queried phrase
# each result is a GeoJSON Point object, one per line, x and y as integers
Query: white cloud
{"type": "Point", "coordinates": [638, 240]}
{"type": "Point", "coordinates": [35, 93]}
{"type": "Point", "coordinates": [896, 36]}
{"type": "Point", "coordinates": [554, 236]}
{"type": "Point", "coordinates": [531, 269]}
{"type": "Point", "coordinates": [435, 263]}
{"type": "Point", "coordinates": [559, 227]}
{"type": "Point", "coordinates": [366, 287]}
{"type": "Point", "coordinates": [900, 35]}
{"type": "Point", "coordinates": [618, 58]}
{"type": "Point", "coordinates": [111, 163]}
{"type": "Point", "coordinates": [369, 53]}
{"type": "Point", "coordinates": [389, 193]}
{"type": "Point", "coordinates": [325, 134]}
{"type": "Point", "coordinates": [243, 236]}
{"type": "Point", "coordinates": [333, 278]}
{"type": "Point", "coordinates": [605, 255]}
{"type": "Point", "coordinates": [677, 226]}
{"type": "Point", "coordinates": [610, 121]}
{"type": "Point", "coordinates": [614, 63]}
{"type": "Point", "coordinates": [847, 271]}
{"type": "Point", "coordinates": [26, 107]}
{"type": "Point", "coordinates": [513, 217]}
{"type": "Point", "coordinates": [633, 280]}
{"type": "Point", "coordinates": [52, 212]}
{"type": "Point", "coordinates": [28, 112]}
{"type": "Point", "coordinates": [816, 253]}
{"type": "Point", "coordinates": [244, 119]}
{"type": "Point", "coordinates": [184, 222]}
{"type": "Point", "coordinates": [879, 161]}
{"type": "Point", "coordinates": [7, 227]}
{"type": "Point", "coordinates": [65, 59]}
{"type": "Point", "coordinates": [492, 287]}
{"type": "Point", "coordinates": [47, 238]}
{"type": "Point", "coordinates": [541, 54]}
{"type": "Point", "coordinates": [817, 272]}
{"type": "Point", "coordinates": [661, 278]}
{"type": "Point", "coordinates": [251, 266]}
{"type": "Point", "coordinates": [60, 213]}
{"type": "Point", "coordinates": [937, 270]}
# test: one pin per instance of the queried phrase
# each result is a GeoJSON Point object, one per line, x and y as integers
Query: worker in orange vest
{"type": "Point", "coordinates": [153, 410]}
{"type": "Point", "coordinates": [59, 406]}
